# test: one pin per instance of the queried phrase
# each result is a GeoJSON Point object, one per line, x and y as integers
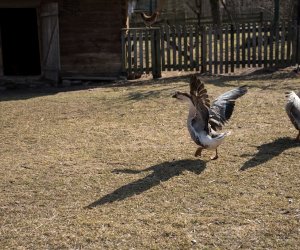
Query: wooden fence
{"type": "Point", "coordinates": [208, 48]}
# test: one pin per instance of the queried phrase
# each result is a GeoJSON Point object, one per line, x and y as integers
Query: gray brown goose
{"type": "Point", "coordinates": [204, 119]}
{"type": "Point", "coordinates": [293, 110]}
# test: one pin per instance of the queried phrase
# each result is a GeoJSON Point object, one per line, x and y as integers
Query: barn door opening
{"type": "Point", "coordinates": [19, 42]}
{"type": "Point", "coordinates": [50, 41]}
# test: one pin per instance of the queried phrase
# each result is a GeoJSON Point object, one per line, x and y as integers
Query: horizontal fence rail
{"type": "Point", "coordinates": [212, 49]}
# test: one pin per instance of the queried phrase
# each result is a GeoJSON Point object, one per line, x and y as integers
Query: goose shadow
{"type": "Point", "coordinates": [268, 151]}
{"type": "Point", "coordinates": [159, 173]}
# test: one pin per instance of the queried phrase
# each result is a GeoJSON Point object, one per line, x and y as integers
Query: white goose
{"type": "Point", "coordinates": [204, 120]}
{"type": "Point", "coordinates": [293, 110]}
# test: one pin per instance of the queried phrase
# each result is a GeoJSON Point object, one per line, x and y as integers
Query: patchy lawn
{"type": "Point", "coordinates": [112, 167]}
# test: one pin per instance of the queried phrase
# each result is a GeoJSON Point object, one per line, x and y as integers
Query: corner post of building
{"type": "Point", "coordinates": [156, 53]}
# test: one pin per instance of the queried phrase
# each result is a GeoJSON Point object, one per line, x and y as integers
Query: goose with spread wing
{"type": "Point", "coordinates": [293, 110]}
{"type": "Point", "coordinates": [204, 120]}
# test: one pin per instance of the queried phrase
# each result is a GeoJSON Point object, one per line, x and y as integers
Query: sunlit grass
{"type": "Point", "coordinates": [113, 168]}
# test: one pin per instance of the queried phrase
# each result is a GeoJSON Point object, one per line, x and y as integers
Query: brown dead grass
{"type": "Point", "coordinates": [113, 168]}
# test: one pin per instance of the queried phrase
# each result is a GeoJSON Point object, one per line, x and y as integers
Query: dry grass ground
{"type": "Point", "coordinates": [113, 168]}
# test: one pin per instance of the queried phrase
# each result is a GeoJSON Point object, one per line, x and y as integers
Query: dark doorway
{"type": "Point", "coordinates": [20, 43]}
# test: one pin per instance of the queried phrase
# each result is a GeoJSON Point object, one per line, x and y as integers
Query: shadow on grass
{"type": "Point", "coordinates": [268, 151]}
{"type": "Point", "coordinates": [161, 172]}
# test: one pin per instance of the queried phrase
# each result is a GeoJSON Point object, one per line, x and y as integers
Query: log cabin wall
{"type": "Point", "coordinates": [90, 36]}
{"type": "Point", "coordinates": [89, 41]}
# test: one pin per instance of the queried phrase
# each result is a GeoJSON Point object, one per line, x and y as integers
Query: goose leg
{"type": "Point", "coordinates": [198, 152]}
{"type": "Point", "coordinates": [216, 155]}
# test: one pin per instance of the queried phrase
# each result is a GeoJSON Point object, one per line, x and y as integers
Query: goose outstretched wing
{"type": "Point", "coordinates": [222, 107]}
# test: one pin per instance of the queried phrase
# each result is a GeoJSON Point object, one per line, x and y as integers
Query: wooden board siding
{"type": "Point", "coordinates": [90, 38]}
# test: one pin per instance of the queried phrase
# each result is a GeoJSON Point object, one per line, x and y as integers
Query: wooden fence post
{"type": "Point", "coordinates": [156, 53]}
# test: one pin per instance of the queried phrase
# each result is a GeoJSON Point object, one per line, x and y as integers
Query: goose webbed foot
{"type": "Point", "coordinates": [216, 156]}
{"type": "Point", "coordinates": [198, 152]}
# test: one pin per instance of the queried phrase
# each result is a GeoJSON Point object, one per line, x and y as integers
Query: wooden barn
{"type": "Point", "coordinates": [61, 39]}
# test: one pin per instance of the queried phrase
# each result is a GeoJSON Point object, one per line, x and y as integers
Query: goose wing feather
{"type": "Point", "coordinates": [201, 103]}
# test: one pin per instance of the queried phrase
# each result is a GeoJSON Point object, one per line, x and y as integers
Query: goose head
{"type": "Point", "coordinates": [181, 96]}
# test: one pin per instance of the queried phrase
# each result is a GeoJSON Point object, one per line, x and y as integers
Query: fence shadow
{"type": "Point", "coordinates": [160, 173]}
{"type": "Point", "coordinates": [268, 151]}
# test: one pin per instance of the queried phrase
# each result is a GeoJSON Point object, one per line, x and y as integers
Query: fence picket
{"type": "Point", "coordinates": [215, 50]}
{"type": "Point", "coordinates": [221, 51]}
{"type": "Point", "coordinates": [129, 52]}
{"type": "Point", "coordinates": [141, 52]}
{"type": "Point", "coordinates": [277, 46]}
{"type": "Point", "coordinates": [197, 45]}
{"type": "Point", "coordinates": [259, 48]}
{"type": "Point", "coordinates": [271, 46]}
{"type": "Point", "coordinates": [185, 55]}
{"type": "Point", "coordinates": [238, 46]}
{"type": "Point", "coordinates": [265, 45]}
{"type": "Point", "coordinates": [178, 28]}
{"type": "Point", "coordinates": [288, 47]}
{"type": "Point", "coordinates": [226, 49]}
{"type": "Point", "coordinates": [168, 48]}
{"type": "Point", "coordinates": [283, 34]}
{"type": "Point", "coordinates": [243, 46]}
{"type": "Point", "coordinates": [191, 49]}
{"type": "Point", "coordinates": [248, 45]}
{"type": "Point", "coordinates": [174, 64]}
{"type": "Point", "coordinates": [254, 45]}
{"type": "Point", "coordinates": [203, 50]}
{"type": "Point", "coordinates": [210, 49]}
{"type": "Point", "coordinates": [162, 40]}
{"type": "Point", "coordinates": [232, 48]}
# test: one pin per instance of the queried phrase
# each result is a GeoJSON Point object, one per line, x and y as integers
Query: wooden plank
{"type": "Point", "coordinates": [210, 49]}
{"type": "Point", "coordinates": [179, 33]}
{"type": "Point", "coordinates": [147, 51]}
{"type": "Point", "coordinates": [50, 41]}
{"type": "Point", "coordinates": [168, 48]}
{"type": "Point", "coordinates": [197, 45]}
{"type": "Point", "coordinates": [191, 49]}
{"type": "Point", "coordinates": [141, 50]}
{"type": "Point", "coordinates": [254, 45]}
{"type": "Point", "coordinates": [243, 46]}
{"type": "Point", "coordinates": [232, 48]}
{"type": "Point", "coordinates": [163, 62]}
{"type": "Point", "coordinates": [185, 45]}
{"type": "Point", "coordinates": [226, 49]}
{"type": "Point", "coordinates": [221, 51]}
{"type": "Point", "coordinates": [259, 48]}
{"type": "Point", "coordinates": [238, 46]}
{"type": "Point", "coordinates": [277, 45]}
{"type": "Point", "coordinates": [248, 45]}
{"type": "Point", "coordinates": [215, 33]}
{"type": "Point", "coordinates": [174, 63]}
{"type": "Point", "coordinates": [282, 49]}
